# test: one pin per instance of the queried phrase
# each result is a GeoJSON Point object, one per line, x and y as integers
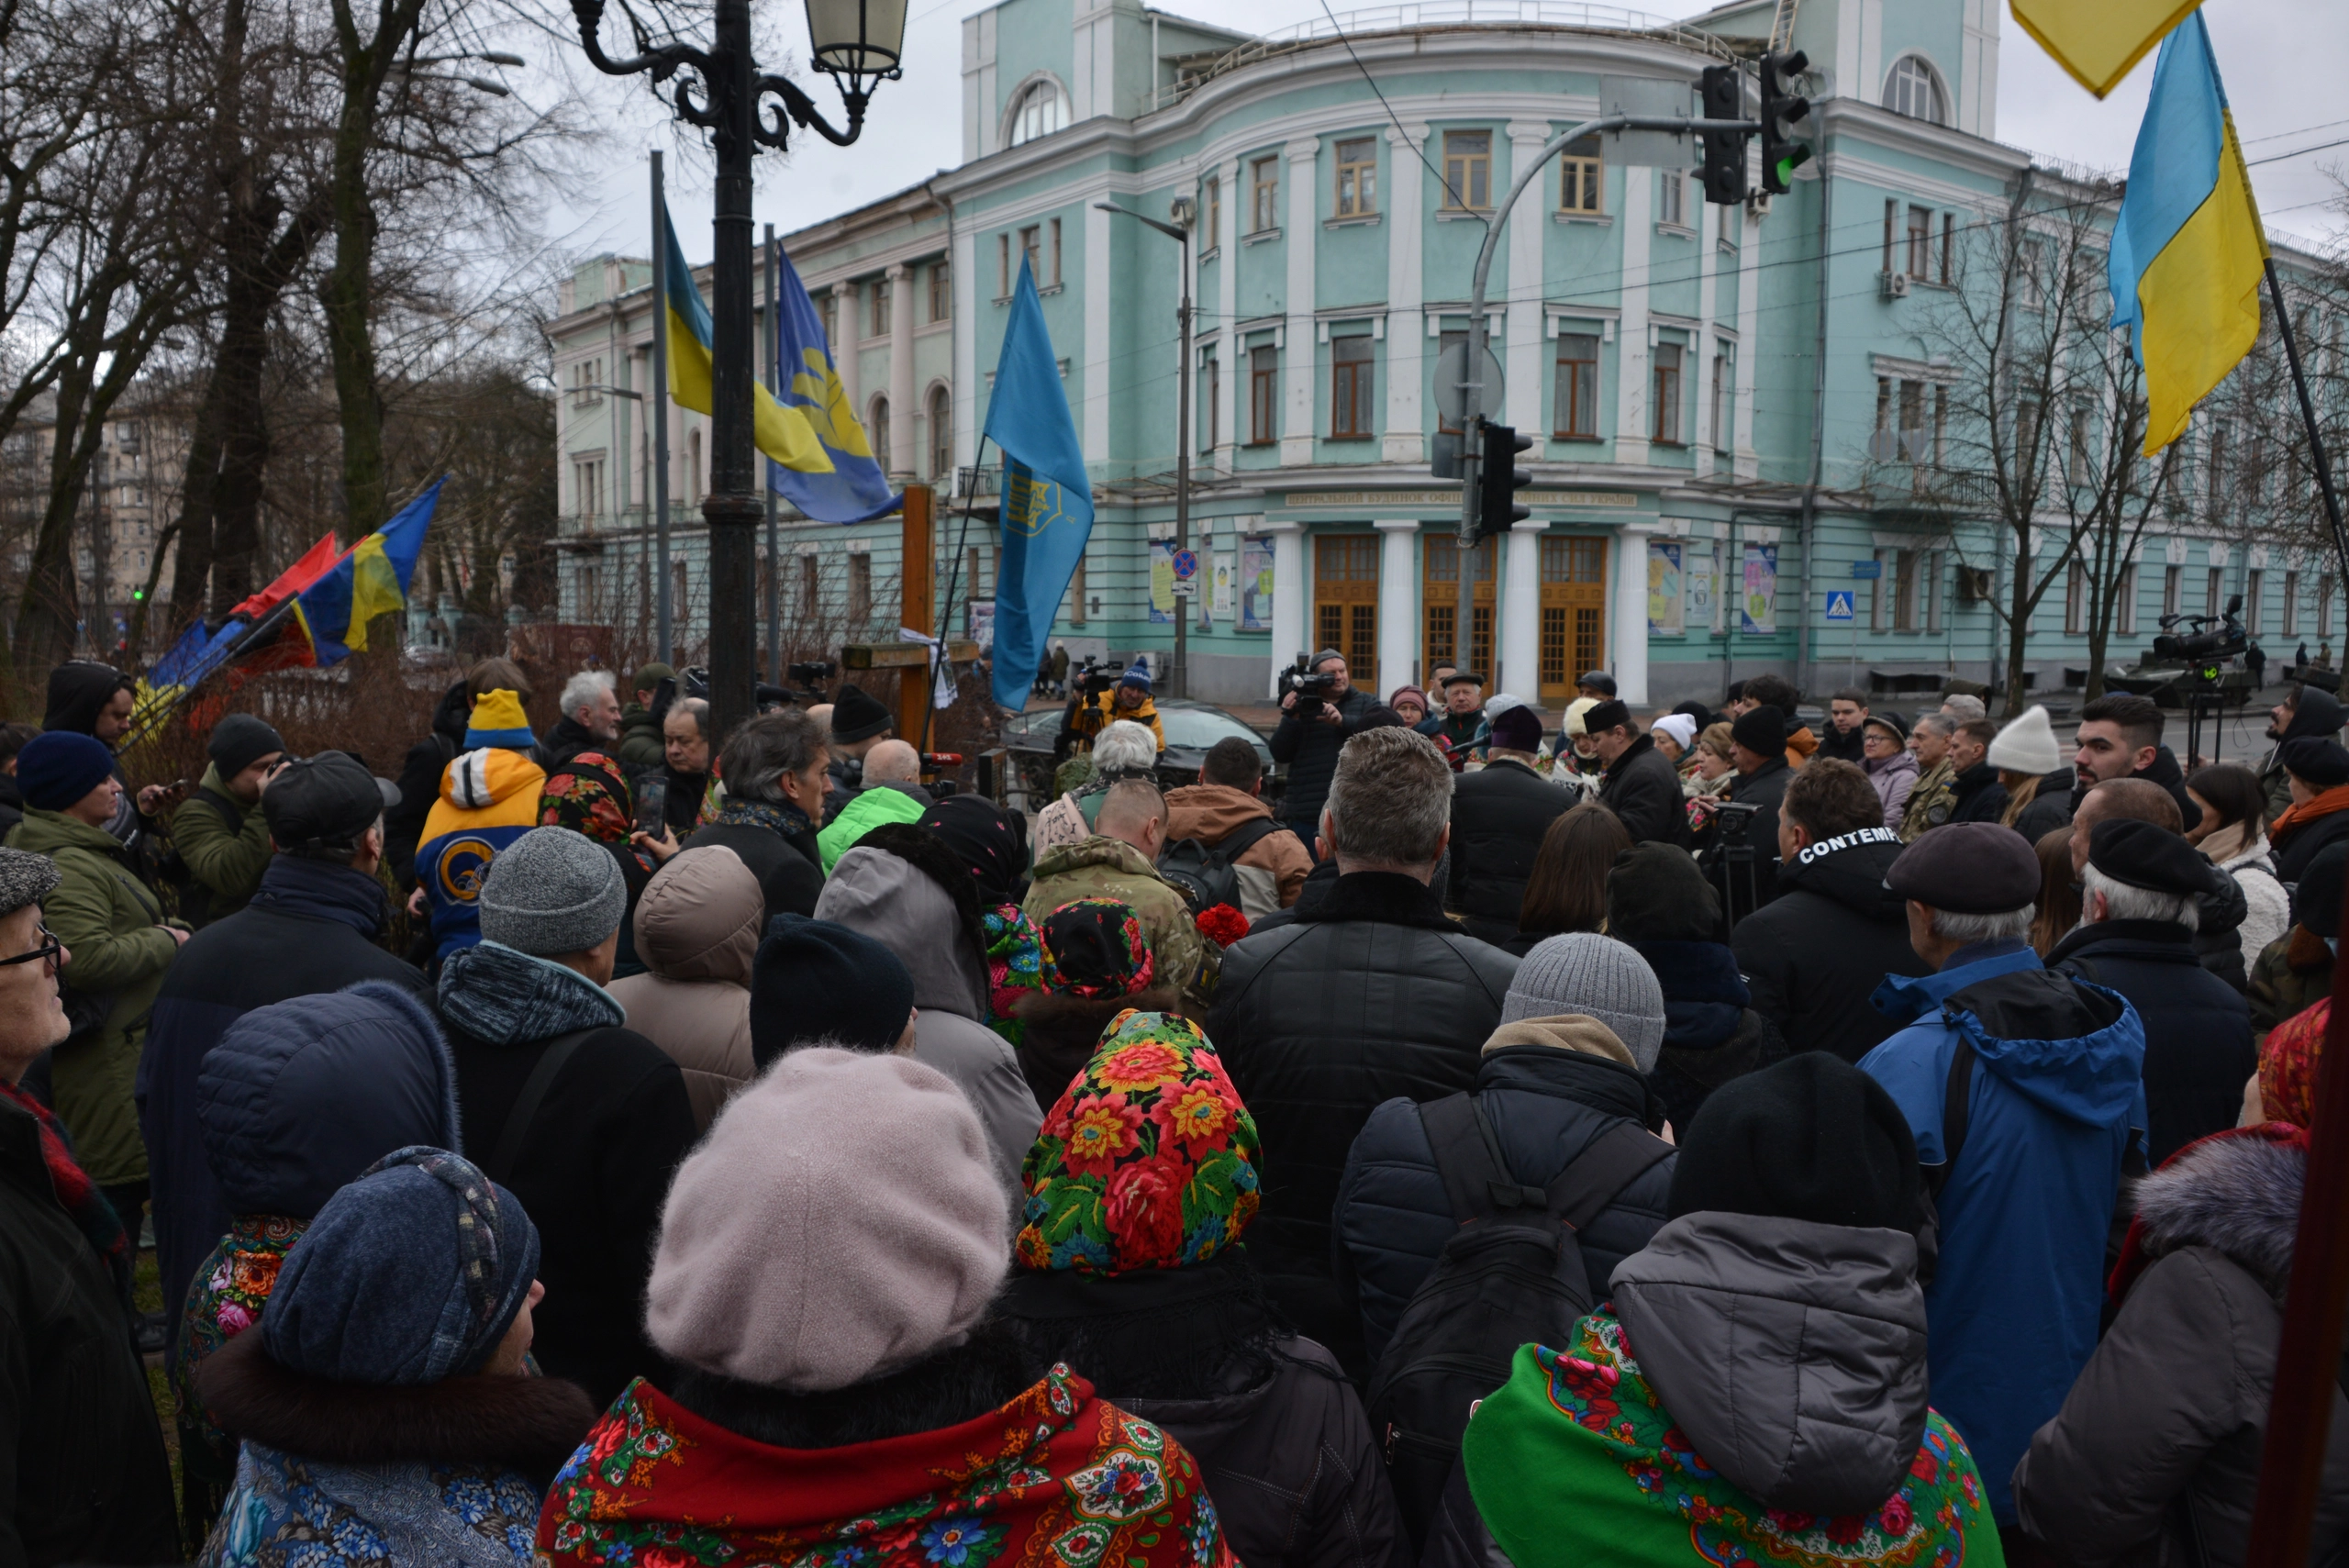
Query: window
{"type": "Point", "coordinates": [941, 292]}
{"type": "Point", "coordinates": [1263, 369]}
{"type": "Point", "coordinates": [1929, 588]}
{"type": "Point", "coordinates": [1891, 216]}
{"type": "Point", "coordinates": [2291, 604]}
{"type": "Point", "coordinates": [2255, 596]}
{"type": "Point", "coordinates": [1949, 247]}
{"type": "Point", "coordinates": [876, 430]}
{"type": "Point", "coordinates": [1468, 170]}
{"type": "Point", "coordinates": [1722, 378]}
{"type": "Point", "coordinates": [1076, 594]}
{"type": "Point", "coordinates": [1667, 394]}
{"type": "Point", "coordinates": [586, 585]}
{"type": "Point", "coordinates": [587, 488]}
{"type": "Point", "coordinates": [2173, 589]}
{"type": "Point", "coordinates": [2213, 581]}
{"type": "Point", "coordinates": [2324, 607]}
{"type": "Point", "coordinates": [1581, 177]}
{"type": "Point", "coordinates": [1920, 242]}
{"type": "Point", "coordinates": [1031, 251]}
{"type": "Point", "coordinates": [878, 317]}
{"type": "Point", "coordinates": [859, 589]}
{"type": "Point", "coordinates": [1349, 388]}
{"type": "Point", "coordinates": [1211, 416]}
{"type": "Point", "coordinates": [807, 585]}
{"type": "Point", "coordinates": [1264, 194]}
{"type": "Point", "coordinates": [1041, 111]}
{"type": "Point", "coordinates": [2215, 466]}
{"type": "Point", "coordinates": [1913, 90]}
{"type": "Point", "coordinates": [1941, 426]}
{"type": "Point", "coordinates": [2125, 618]}
{"type": "Point", "coordinates": [1003, 266]}
{"type": "Point", "coordinates": [2075, 600]}
{"type": "Point", "coordinates": [941, 435]}
{"type": "Point", "coordinates": [1671, 189]}
{"type": "Point", "coordinates": [2027, 452]}
{"type": "Point", "coordinates": [1576, 418]}
{"type": "Point", "coordinates": [2080, 461]}
{"type": "Point", "coordinates": [1357, 176]}
{"type": "Point", "coordinates": [1912, 421]}
{"type": "Point", "coordinates": [1056, 253]}
{"type": "Point", "coordinates": [1895, 607]}
{"type": "Point", "coordinates": [587, 376]}
{"type": "Point", "coordinates": [1214, 235]}
{"type": "Point", "coordinates": [693, 467]}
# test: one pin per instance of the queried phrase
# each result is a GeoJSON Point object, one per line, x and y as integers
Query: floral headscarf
{"type": "Point", "coordinates": [588, 795]}
{"type": "Point", "coordinates": [2287, 1065]}
{"type": "Point", "coordinates": [1095, 947]}
{"type": "Point", "coordinates": [1148, 1161]}
{"type": "Point", "coordinates": [1015, 967]}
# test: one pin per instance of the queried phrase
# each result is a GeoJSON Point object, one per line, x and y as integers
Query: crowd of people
{"type": "Point", "coordinates": [1694, 1136]}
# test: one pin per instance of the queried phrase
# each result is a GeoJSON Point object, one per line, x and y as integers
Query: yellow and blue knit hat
{"type": "Point", "coordinates": [498, 720]}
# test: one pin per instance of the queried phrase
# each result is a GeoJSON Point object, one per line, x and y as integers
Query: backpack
{"type": "Point", "coordinates": [1204, 876]}
{"type": "Point", "coordinates": [1510, 1275]}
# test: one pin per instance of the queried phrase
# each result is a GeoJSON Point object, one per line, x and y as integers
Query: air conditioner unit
{"type": "Point", "coordinates": [1893, 285]}
{"type": "Point", "coordinates": [1973, 585]}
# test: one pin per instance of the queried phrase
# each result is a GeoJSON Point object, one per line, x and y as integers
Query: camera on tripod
{"type": "Point", "coordinates": [1312, 687]}
{"type": "Point", "coordinates": [2207, 646]}
{"type": "Point", "coordinates": [1095, 676]}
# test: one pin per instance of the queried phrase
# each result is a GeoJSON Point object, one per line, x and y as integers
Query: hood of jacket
{"type": "Point", "coordinates": [1110, 854]}
{"type": "Point", "coordinates": [2221, 907]}
{"type": "Point", "coordinates": [1850, 868]}
{"type": "Point", "coordinates": [1576, 1032]}
{"type": "Point", "coordinates": [45, 832]}
{"type": "Point", "coordinates": [2238, 1193]}
{"type": "Point", "coordinates": [699, 919]}
{"type": "Point", "coordinates": [321, 890]}
{"type": "Point", "coordinates": [297, 1099]}
{"type": "Point", "coordinates": [78, 691]}
{"type": "Point", "coordinates": [1792, 1353]}
{"type": "Point", "coordinates": [1801, 742]}
{"type": "Point", "coordinates": [1899, 762]}
{"type": "Point", "coordinates": [2074, 1048]}
{"type": "Point", "coordinates": [1704, 995]}
{"type": "Point", "coordinates": [1209, 812]}
{"type": "Point", "coordinates": [2318, 713]}
{"type": "Point", "coordinates": [453, 713]}
{"type": "Point", "coordinates": [1598, 1079]}
{"type": "Point", "coordinates": [487, 777]}
{"type": "Point", "coordinates": [509, 997]}
{"type": "Point", "coordinates": [896, 903]}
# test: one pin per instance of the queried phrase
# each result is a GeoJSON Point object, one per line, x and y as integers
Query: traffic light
{"type": "Point", "coordinates": [1498, 479]}
{"type": "Point", "coordinates": [1724, 169]}
{"type": "Point", "coordinates": [1780, 109]}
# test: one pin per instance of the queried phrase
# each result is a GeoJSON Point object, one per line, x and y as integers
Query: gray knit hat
{"type": "Point", "coordinates": [25, 878]}
{"type": "Point", "coordinates": [1597, 977]}
{"type": "Point", "coordinates": [552, 891]}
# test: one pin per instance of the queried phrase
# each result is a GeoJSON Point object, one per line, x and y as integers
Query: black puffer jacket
{"type": "Point", "coordinates": [420, 780]}
{"type": "Point", "coordinates": [1310, 748]}
{"type": "Point", "coordinates": [1498, 814]}
{"type": "Point", "coordinates": [1980, 797]}
{"type": "Point", "coordinates": [1546, 1105]}
{"type": "Point", "coordinates": [1711, 1034]}
{"type": "Point", "coordinates": [1371, 995]}
{"type": "Point", "coordinates": [2303, 842]}
{"type": "Point", "coordinates": [2218, 932]}
{"type": "Point", "coordinates": [2050, 808]}
{"type": "Point", "coordinates": [1643, 789]}
{"type": "Point", "coordinates": [2199, 1047]}
{"type": "Point", "coordinates": [1813, 958]}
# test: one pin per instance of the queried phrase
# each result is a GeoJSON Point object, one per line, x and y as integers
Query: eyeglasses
{"type": "Point", "coordinates": [50, 950]}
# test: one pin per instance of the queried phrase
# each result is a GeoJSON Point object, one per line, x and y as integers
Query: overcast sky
{"type": "Point", "coordinates": [2283, 61]}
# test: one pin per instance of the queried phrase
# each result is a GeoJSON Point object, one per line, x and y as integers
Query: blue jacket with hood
{"type": "Point", "coordinates": [2056, 1094]}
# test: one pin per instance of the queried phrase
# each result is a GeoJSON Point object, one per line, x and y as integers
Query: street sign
{"type": "Point", "coordinates": [1186, 564]}
{"type": "Point", "coordinates": [1662, 97]}
{"type": "Point", "coordinates": [1867, 570]}
{"type": "Point", "coordinates": [1839, 606]}
{"type": "Point", "coordinates": [1185, 588]}
{"type": "Point", "coordinates": [1451, 369]}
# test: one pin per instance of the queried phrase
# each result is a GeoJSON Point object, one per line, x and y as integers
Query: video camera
{"type": "Point", "coordinates": [1093, 677]}
{"type": "Point", "coordinates": [808, 672]}
{"type": "Point", "coordinates": [2206, 647]}
{"type": "Point", "coordinates": [1312, 687]}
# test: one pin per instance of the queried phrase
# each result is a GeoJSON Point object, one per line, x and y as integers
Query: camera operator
{"type": "Point", "coordinates": [1312, 730]}
{"type": "Point", "coordinates": [1093, 706]}
{"type": "Point", "coordinates": [1738, 840]}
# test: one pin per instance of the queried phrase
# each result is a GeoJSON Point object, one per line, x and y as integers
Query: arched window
{"type": "Point", "coordinates": [941, 435]}
{"type": "Point", "coordinates": [1914, 89]}
{"type": "Point", "coordinates": [1040, 112]}
{"type": "Point", "coordinates": [876, 430]}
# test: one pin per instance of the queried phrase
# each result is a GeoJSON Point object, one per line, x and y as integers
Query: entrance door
{"type": "Point", "coordinates": [1440, 607]}
{"type": "Point", "coordinates": [1345, 602]}
{"type": "Point", "coordinates": [1574, 612]}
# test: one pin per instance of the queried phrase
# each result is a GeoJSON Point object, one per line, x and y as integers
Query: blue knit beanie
{"type": "Point", "coordinates": [411, 1273]}
{"type": "Point", "coordinates": [59, 767]}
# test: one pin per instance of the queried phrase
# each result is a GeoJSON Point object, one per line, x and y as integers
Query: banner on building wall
{"type": "Point", "coordinates": [1664, 581]}
{"type": "Point", "coordinates": [1255, 584]}
{"type": "Point", "coordinates": [1162, 582]}
{"type": "Point", "coordinates": [1223, 588]}
{"type": "Point", "coordinates": [1700, 588]}
{"type": "Point", "coordinates": [1758, 608]}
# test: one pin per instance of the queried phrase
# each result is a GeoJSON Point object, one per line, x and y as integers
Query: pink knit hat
{"type": "Point", "coordinates": [841, 1220]}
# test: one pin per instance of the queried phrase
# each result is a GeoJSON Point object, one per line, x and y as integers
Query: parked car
{"type": "Point", "coordinates": [1192, 728]}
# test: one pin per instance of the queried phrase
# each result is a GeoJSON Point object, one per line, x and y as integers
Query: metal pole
{"type": "Point", "coordinates": [731, 509]}
{"type": "Point", "coordinates": [663, 634]}
{"type": "Point", "coordinates": [1184, 611]}
{"type": "Point", "coordinates": [774, 384]}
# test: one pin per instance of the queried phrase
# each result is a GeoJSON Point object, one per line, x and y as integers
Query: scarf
{"type": "Point", "coordinates": [1015, 967]}
{"type": "Point", "coordinates": [2299, 815]}
{"type": "Point", "coordinates": [2288, 1062]}
{"type": "Point", "coordinates": [1574, 1451]}
{"type": "Point", "coordinates": [320, 890]}
{"type": "Point", "coordinates": [1054, 1476]}
{"type": "Point", "coordinates": [2232, 843]}
{"type": "Point", "coordinates": [76, 1194]}
{"type": "Point", "coordinates": [507, 997]}
{"type": "Point", "coordinates": [588, 795]}
{"type": "Point", "coordinates": [231, 1285]}
{"type": "Point", "coordinates": [778, 817]}
{"type": "Point", "coordinates": [1095, 949]}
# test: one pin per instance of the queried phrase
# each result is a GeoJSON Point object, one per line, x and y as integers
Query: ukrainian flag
{"type": "Point", "coordinates": [371, 581]}
{"type": "Point", "coordinates": [2099, 41]}
{"type": "Point", "coordinates": [855, 490]}
{"type": "Point", "coordinates": [2187, 249]}
{"type": "Point", "coordinates": [784, 434]}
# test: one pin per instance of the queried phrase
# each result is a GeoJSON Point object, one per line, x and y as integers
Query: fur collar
{"type": "Point", "coordinates": [1383, 896]}
{"type": "Point", "coordinates": [529, 1424]}
{"type": "Point", "coordinates": [2237, 1195]}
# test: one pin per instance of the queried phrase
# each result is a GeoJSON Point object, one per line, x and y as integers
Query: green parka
{"type": "Point", "coordinates": [114, 928]}
{"type": "Point", "coordinates": [641, 740]}
{"type": "Point", "coordinates": [225, 844]}
{"type": "Point", "coordinates": [1103, 867]}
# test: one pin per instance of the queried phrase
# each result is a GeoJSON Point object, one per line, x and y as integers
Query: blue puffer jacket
{"type": "Point", "coordinates": [1546, 1105]}
{"type": "Point", "coordinates": [299, 1098]}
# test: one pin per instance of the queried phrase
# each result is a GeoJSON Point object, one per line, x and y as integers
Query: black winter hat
{"type": "Point", "coordinates": [239, 741]}
{"type": "Point", "coordinates": [2316, 897]}
{"type": "Point", "coordinates": [1655, 894]}
{"type": "Point", "coordinates": [2321, 764]}
{"type": "Point", "coordinates": [1762, 729]}
{"type": "Point", "coordinates": [2147, 855]}
{"type": "Point", "coordinates": [857, 715]}
{"type": "Point", "coordinates": [1606, 716]}
{"type": "Point", "coordinates": [1968, 868]}
{"type": "Point", "coordinates": [816, 980]}
{"type": "Point", "coordinates": [1812, 1138]}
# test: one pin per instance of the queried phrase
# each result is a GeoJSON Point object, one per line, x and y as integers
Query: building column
{"type": "Point", "coordinates": [1630, 633]}
{"type": "Point", "coordinates": [1405, 436]}
{"type": "Point", "coordinates": [1297, 373]}
{"type": "Point", "coordinates": [1520, 632]}
{"type": "Point", "coordinates": [903, 458]}
{"type": "Point", "coordinates": [1398, 604]}
{"type": "Point", "coordinates": [1523, 360]}
{"type": "Point", "coordinates": [1288, 598]}
{"type": "Point", "coordinates": [844, 304]}
{"type": "Point", "coordinates": [1232, 346]}
{"type": "Point", "coordinates": [1631, 415]}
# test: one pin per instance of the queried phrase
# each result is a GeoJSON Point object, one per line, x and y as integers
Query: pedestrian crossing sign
{"type": "Point", "coordinates": [1839, 603]}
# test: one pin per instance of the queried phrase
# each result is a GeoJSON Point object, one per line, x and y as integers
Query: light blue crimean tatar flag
{"type": "Point", "coordinates": [855, 491]}
{"type": "Point", "coordinates": [1047, 504]}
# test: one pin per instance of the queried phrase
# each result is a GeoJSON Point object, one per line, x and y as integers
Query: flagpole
{"type": "Point", "coordinates": [766, 471]}
{"type": "Point", "coordinates": [2307, 417]}
{"type": "Point", "coordinates": [954, 566]}
{"type": "Point", "coordinates": [663, 630]}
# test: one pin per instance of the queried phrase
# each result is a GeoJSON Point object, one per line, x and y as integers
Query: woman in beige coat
{"type": "Point", "coordinates": [697, 930]}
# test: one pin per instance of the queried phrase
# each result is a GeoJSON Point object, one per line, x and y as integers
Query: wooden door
{"type": "Point", "coordinates": [1345, 602]}
{"type": "Point", "coordinates": [1574, 612]}
{"type": "Point", "coordinates": [1440, 607]}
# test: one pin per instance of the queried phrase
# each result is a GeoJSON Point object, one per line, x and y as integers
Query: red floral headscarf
{"type": "Point", "coordinates": [588, 795]}
{"type": "Point", "coordinates": [2287, 1065]}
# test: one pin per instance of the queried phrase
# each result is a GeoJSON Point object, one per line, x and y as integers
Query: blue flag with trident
{"type": "Point", "coordinates": [1047, 503]}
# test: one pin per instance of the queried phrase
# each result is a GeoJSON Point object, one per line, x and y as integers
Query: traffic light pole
{"type": "Point", "coordinates": [1472, 414]}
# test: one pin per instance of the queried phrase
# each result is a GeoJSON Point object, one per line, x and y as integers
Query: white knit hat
{"type": "Point", "coordinates": [2027, 745]}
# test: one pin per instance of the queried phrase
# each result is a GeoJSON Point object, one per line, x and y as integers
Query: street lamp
{"type": "Point", "coordinates": [859, 44]}
{"type": "Point", "coordinates": [1179, 683]}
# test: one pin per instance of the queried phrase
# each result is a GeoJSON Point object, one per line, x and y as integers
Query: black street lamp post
{"type": "Point", "coordinates": [858, 43]}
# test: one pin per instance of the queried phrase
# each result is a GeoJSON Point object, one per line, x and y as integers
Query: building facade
{"type": "Point", "coordinates": [1743, 415]}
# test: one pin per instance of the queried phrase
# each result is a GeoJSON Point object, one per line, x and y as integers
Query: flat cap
{"type": "Point", "coordinates": [1459, 677]}
{"type": "Point", "coordinates": [25, 878]}
{"type": "Point", "coordinates": [2143, 854]}
{"type": "Point", "coordinates": [330, 798]}
{"type": "Point", "coordinates": [2317, 761]}
{"type": "Point", "coordinates": [1597, 681]}
{"type": "Point", "coordinates": [1968, 868]}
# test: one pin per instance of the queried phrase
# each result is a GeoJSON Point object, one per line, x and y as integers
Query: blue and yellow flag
{"type": "Point", "coordinates": [2098, 41]}
{"type": "Point", "coordinates": [855, 490]}
{"type": "Point", "coordinates": [2187, 248]}
{"type": "Point", "coordinates": [784, 434]}
{"type": "Point", "coordinates": [1047, 502]}
{"type": "Point", "coordinates": [370, 581]}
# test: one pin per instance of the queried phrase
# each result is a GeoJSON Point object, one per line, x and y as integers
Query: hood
{"type": "Point", "coordinates": [699, 919]}
{"type": "Point", "coordinates": [46, 832]}
{"type": "Point", "coordinates": [2318, 713]}
{"type": "Point", "coordinates": [509, 998]}
{"type": "Point", "coordinates": [297, 1099]}
{"type": "Point", "coordinates": [1850, 868]}
{"type": "Point", "coordinates": [2221, 907]}
{"type": "Point", "coordinates": [454, 712]}
{"type": "Point", "coordinates": [2071, 1048]}
{"type": "Point", "coordinates": [1705, 997]}
{"type": "Point", "coordinates": [1113, 854]}
{"type": "Point", "coordinates": [1802, 742]}
{"type": "Point", "coordinates": [1210, 811]}
{"type": "Point", "coordinates": [2238, 1193]}
{"type": "Point", "coordinates": [1792, 1355]}
{"type": "Point", "coordinates": [1566, 1031]}
{"type": "Point", "coordinates": [896, 903]}
{"type": "Point", "coordinates": [1905, 998]}
{"type": "Point", "coordinates": [1899, 762]}
{"type": "Point", "coordinates": [487, 777]}
{"type": "Point", "coordinates": [78, 691]}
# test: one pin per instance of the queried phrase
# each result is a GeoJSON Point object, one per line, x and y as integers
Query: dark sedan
{"type": "Point", "coordinates": [1192, 728]}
